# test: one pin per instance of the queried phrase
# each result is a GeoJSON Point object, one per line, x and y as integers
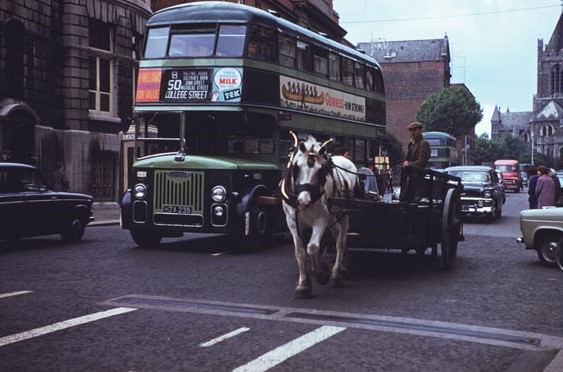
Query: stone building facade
{"type": "Point", "coordinates": [412, 71]}
{"type": "Point", "coordinates": [544, 125]}
{"type": "Point", "coordinates": [67, 72]}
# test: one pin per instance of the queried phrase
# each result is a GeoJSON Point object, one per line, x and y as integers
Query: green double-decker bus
{"type": "Point", "coordinates": [219, 87]}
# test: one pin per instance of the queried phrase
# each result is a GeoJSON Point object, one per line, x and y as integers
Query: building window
{"type": "Point", "coordinates": [546, 131]}
{"type": "Point", "coordinates": [100, 80]}
{"type": "Point", "coordinates": [14, 42]}
{"type": "Point", "coordinates": [556, 83]}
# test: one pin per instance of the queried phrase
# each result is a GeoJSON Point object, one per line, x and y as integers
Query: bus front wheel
{"type": "Point", "coordinates": [259, 233]}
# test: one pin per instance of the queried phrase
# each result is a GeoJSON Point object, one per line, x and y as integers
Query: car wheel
{"type": "Point", "coordinates": [146, 238]}
{"type": "Point", "coordinates": [546, 246]}
{"type": "Point", "coordinates": [74, 230]}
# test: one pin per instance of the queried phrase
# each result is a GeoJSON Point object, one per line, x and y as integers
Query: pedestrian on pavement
{"type": "Point", "coordinates": [545, 189]}
{"type": "Point", "coordinates": [532, 181]}
{"type": "Point", "coordinates": [553, 174]}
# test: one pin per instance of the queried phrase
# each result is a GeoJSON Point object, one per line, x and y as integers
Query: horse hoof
{"type": "Point", "coordinates": [322, 278]}
{"type": "Point", "coordinates": [303, 293]}
{"type": "Point", "coordinates": [337, 282]}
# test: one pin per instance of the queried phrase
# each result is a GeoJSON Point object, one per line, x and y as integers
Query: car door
{"type": "Point", "coordinates": [41, 211]}
{"type": "Point", "coordinates": [11, 203]}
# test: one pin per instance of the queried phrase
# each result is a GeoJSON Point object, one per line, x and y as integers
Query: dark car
{"type": "Point", "coordinates": [28, 207]}
{"type": "Point", "coordinates": [483, 193]}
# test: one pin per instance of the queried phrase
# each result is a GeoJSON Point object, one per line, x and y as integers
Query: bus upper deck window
{"type": "Point", "coordinates": [193, 44]}
{"type": "Point", "coordinates": [370, 79]}
{"type": "Point", "coordinates": [156, 42]}
{"type": "Point", "coordinates": [334, 66]}
{"type": "Point", "coordinates": [261, 43]}
{"type": "Point", "coordinates": [359, 73]}
{"type": "Point", "coordinates": [347, 71]}
{"type": "Point", "coordinates": [231, 41]}
{"type": "Point", "coordinates": [320, 61]}
{"type": "Point", "coordinates": [287, 51]}
{"type": "Point", "coordinates": [304, 56]}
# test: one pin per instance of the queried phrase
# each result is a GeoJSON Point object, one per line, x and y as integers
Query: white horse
{"type": "Point", "coordinates": [311, 177]}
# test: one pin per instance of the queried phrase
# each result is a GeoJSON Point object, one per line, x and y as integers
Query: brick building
{"type": "Point", "coordinates": [412, 71]}
{"type": "Point", "coordinates": [317, 15]}
{"type": "Point", "coordinates": [67, 72]}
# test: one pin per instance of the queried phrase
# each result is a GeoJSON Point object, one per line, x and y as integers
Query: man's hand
{"type": "Point", "coordinates": [405, 163]}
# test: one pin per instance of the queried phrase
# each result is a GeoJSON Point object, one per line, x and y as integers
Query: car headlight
{"type": "Point", "coordinates": [140, 191]}
{"type": "Point", "coordinates": [218, 194]}
{"type": "Point", "coordinates": [487, 194]}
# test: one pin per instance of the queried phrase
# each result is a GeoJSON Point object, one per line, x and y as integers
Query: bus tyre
{"type": "Point", "coordinates": [146, 238]}
{"type": "Point", "coordinates": [259, 230]}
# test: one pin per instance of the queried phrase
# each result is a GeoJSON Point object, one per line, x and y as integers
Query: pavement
{"type": "Point", "coordinates": [105, 214]}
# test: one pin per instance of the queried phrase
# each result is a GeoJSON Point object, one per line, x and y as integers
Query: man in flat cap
{"type": "Point", "coordinates": [417, 157]}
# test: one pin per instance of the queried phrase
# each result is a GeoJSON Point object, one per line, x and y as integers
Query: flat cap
{"type": "Point", "coordinates": [414, 125]}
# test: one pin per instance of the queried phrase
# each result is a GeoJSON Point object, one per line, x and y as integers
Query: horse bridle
{"type": "Point", "coordinates": [316, 191]}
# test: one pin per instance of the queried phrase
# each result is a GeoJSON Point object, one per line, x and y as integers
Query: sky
{"type": "Point", "coordinates": [493, 43]}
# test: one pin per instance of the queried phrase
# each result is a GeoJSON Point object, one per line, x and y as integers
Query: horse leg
{"type": "Point", "coordinates": [313, 251]}
{"type": "Point", "coordinates": [303, 289]}
{"type": "Point", "coordinates": [336, 276]}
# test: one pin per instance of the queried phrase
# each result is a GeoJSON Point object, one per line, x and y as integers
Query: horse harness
{"type": "Point", "coordinates": [317, 191]}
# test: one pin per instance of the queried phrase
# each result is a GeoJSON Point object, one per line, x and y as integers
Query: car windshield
{"type": "Point", "coordinates": [505, 168]}
{"type": "Point", "coordinates": [471, 176]}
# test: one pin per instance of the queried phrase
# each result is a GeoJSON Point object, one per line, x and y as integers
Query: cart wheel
{"type": "Point", "coordinates": [450, 229]}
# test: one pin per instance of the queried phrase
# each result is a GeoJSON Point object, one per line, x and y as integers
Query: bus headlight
{"type": "Point", "coordinates": [487, 194]}
{"type": "Point", "coordinates": [218, 194]}
{"type": "Point", "coordinates": [140, 191]}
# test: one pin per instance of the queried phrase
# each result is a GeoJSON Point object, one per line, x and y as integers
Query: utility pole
{"type": "Point", "coordinates": [532, 140]}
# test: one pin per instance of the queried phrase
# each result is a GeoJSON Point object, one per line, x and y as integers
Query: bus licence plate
{"type": "Point", "coordinates": [177, 209]}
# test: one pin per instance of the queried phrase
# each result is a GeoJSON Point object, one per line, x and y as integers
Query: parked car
{"type": "Point", "coordinates": [28, 207]}
{"type": "Point", "coordinates": [483, 194]}
{"type": "Point", "coordinates": [542, 229]}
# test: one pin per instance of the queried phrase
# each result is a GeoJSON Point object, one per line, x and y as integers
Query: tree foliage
{"type": "Point", "coordinates": [507, 147]}
{"type": "Point", "coordinates": [450, 110]}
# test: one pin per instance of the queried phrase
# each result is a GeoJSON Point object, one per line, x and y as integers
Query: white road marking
{"type": "Point", "coordinates": [556, 365]}
{"type": "Point", "coordinates": [234, 333]}
{"type": "Point", "coordinates": [4, 295]}
{"type": "Point", "coordinates": [292, 348]}
{"type": "Point", "coordinates": [63, 325]}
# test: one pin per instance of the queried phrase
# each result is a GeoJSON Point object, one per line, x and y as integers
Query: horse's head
{"type": "Point", "coordinates": [310, 165]}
